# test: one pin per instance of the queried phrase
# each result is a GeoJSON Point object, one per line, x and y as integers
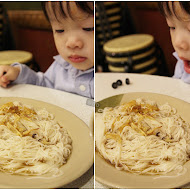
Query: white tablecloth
{"type": "Point", "coordinates": [139, 83]}
{"type": "Point", "coordinates": [71, 102]}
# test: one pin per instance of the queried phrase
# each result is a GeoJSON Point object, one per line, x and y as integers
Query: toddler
{"type": "Point", "coordinates": [178, 19]}
{"type": "Point", "coordinates": [73, 69]}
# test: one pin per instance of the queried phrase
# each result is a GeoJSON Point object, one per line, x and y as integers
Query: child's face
{"type": "Point", "coordinates": [180, 34]}
{"type": "Point", "coordinates": [74, 38]}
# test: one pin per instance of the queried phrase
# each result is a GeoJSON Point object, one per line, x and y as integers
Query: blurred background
{"type": "Point", "coordinates": [24, 27]}
{"type": "Point", "coordinates": [151, 55]}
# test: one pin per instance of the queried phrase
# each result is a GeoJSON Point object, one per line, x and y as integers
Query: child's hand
{"type": "Point", "coordinates": [8, 74]}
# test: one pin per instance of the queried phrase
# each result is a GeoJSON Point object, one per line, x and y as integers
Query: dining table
{"type": "Point", "coordinates": [138, 83]}
{"type": "Point", "coordinates": [80, 106]}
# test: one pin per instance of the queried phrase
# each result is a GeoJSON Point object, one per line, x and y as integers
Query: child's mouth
{"type": "Point", "coordinates": [186, 66]}
{"type": "Point", "coordinates": [77, 59]}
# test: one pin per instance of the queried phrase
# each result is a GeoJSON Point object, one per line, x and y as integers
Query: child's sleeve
{"type": "Point", "coordinates": [92, 87]}
{"type": "Point", "coordinates": [28, 76]}
{"type": "Point", "coordinates": [178, 70]}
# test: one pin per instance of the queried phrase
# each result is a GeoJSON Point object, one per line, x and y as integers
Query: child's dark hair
{"type": "Point", "coordinates": [82, 5]}
{"type": "Point", "coordinates": [167, 8]}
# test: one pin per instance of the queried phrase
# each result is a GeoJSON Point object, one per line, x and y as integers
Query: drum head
{"type": "Point", "coordinates": [128, 43]}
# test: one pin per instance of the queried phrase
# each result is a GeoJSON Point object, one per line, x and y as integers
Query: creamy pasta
{"type": "Point", "coordinates": [31, 141]}
{"type": "Point", "coordinates": [143, 137]}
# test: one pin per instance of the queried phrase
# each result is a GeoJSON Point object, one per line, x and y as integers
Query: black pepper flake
{"type": "Point", "coordinates": [157, 134]}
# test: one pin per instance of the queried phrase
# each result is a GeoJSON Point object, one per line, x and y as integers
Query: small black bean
{"type": "Point", "coordinates": [127, 81]}
{"type": "Point", "coordinates": [114, 85]}
{"type": "Point", "coordinates": [33, 136]}
{"type": "Point", "coordinates": [119, 82]}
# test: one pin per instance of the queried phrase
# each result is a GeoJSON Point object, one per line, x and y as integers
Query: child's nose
{"type": "Point", "coordinates": [74, 42]}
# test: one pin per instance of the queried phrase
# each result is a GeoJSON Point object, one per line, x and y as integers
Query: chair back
{"type": "Point", "coordinates": [6, 38]}
{"type": "Point", "coordinates": [112, 20]}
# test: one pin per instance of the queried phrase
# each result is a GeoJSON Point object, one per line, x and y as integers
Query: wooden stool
{"type": "Point", "coordinates": [132, 53]}
{"type": "Point", "coordinates": [16, 56]}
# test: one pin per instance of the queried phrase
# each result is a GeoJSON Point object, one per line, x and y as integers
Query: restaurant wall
{"type": "Point", "coordinates": [30, 5]}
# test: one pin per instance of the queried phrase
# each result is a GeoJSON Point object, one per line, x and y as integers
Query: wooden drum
{"type": "Point", "coordinates": [17, 56]}
{"type": "Point", "coordinates": [134, 53]}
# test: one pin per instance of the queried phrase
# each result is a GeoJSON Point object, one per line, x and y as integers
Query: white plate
{"type": "Point", "coordinates": [81, 158]}
{"type": "Point", "coordinates": [108, 175]}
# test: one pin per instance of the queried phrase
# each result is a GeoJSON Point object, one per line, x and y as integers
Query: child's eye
{"type": "Point", "coordinates": [59, 31]}
{"type": "Point", "coordinates": [171, 28]}
{"type": "Point", "coordinates": [88, 29]}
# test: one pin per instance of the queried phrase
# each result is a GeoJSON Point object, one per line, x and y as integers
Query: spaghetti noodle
{"type": "Point", "coordinates": [31, 141]}
{"type": "Point", "coordinates": [142, 137]}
